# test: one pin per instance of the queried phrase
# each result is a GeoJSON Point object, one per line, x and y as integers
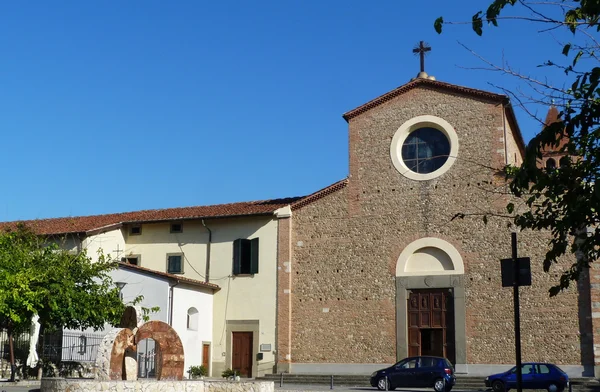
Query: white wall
{"type": "Point", "coordinates": [186, 297]}
{"type": "Point", "coordinates": [155, 291]}
{"type": "Point", "coordinates": [112, 243]}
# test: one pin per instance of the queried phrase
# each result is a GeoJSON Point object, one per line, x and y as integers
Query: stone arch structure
{"type": "Point", "coordinates": [170, 365]}
{"type": "Point", "coordinates": [433, 268]}
{"type": "Point", "coordinates": [116, 356]}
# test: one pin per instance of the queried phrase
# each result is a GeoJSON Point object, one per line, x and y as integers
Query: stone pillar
{"type": "Point", "coordinates": [595, 309]}
{"type": "Point", "coordinates": [284, 293]}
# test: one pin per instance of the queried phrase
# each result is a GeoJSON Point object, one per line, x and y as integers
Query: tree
{"type": "Point", "coordinates": [65, 290]}
{"type": "Point", "coordinates": [565, 200]}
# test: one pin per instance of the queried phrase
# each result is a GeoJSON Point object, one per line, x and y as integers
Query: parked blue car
{"type": "Point", "coordinates": [535, 376]}
{"type": "Point", "coordinates": [416, 372]}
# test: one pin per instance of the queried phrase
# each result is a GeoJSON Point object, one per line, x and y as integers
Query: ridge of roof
{"type": "Point", "coordinates": [85, 224]}
{"type": "Point", "coordinates": [320, 194]}
{"type": "Point", "coordinates": [177, 278]}
{"type": "Point", "coordinates": [436, 84]}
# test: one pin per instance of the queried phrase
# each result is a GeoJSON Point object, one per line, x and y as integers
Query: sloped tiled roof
{"type": "Point", "coordinates": [172, 277]}
{"type": "Point", "coordinates": [553, 116]}
{"type": "Point", "coordinates": [447, 88]}
{"type": "Point", "coordinates": [434, 84]}
{"type": "Point", "coordinates": [84, 224]}
{"type": "Point", "coordinates": [320, 194]}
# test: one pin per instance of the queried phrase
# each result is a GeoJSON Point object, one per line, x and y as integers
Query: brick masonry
{"type": "Point", "coordinates": [345, 246]}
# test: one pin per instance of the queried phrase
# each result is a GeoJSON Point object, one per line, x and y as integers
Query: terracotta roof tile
{"type": "Point", "coordinates": [84, 224]}
{"type": "Point", "coordinates": [177, 278]}
{"type": "Point", "coordinates": [435, 84]}
{"type": "Point", "coordinates": [444, 87]}
{"type": "Point", "coordinates": [553, 117]}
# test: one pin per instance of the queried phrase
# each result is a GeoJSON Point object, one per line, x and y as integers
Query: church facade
{"type": "Point", "coordinates": [396, 260]}
{"type": "Point", "coordinates": [393, 261]}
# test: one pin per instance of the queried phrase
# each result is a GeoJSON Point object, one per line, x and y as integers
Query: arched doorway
{"type": "Point", "coordinates": [430, 303]}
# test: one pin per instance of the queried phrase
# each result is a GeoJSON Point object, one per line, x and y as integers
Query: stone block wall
{"type": "Point", "coordinates": [61, 385]}
{"type": "Point", "coordinates": [345, 247]}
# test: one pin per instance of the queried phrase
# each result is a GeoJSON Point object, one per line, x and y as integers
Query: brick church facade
{"type": "Point", "coordinates": [377, 267]}
{"type": "Point", "coordinates": [393, 261]}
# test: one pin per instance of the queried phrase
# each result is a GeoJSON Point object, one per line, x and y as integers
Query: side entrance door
{"type": "Point", "coordinates": [241, 361]}
{"type": "Point", "coordinates": [206, 356]}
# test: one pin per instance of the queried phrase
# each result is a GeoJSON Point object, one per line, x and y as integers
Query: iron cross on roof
{"type": "Point", "coordinates": [421, 50]}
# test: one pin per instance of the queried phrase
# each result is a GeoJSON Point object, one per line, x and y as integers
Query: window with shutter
{"type": "Point", "coordinates": [245, 256]}
{"type": "Point", "coordinates": [175, 263]}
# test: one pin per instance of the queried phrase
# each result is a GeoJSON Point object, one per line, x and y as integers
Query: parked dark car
{"type": "Point", "coordinates": [535, 376]}
{"type": "Point", "coordinates": [416, 372]}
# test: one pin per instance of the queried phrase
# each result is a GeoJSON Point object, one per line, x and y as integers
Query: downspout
{"type": "Point", "coordinates": [207, 252]}
{"type": "Point", "coordinates": [171, 302]}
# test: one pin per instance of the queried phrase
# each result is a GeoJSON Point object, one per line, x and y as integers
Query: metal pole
{"type": "Point", "coordinates": [281, 380]}
{"type": "Point", "coordinates": [517, 312]}
{"type": "Point", "coordinates": [331, 382]}
{"type": "Point", "coordinates": [386, 384]}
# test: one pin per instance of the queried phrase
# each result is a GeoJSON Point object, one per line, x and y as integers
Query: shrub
{"type": "Point", "coordinates": [227, 373]}
{"type": "Point", "coordinates": [198, 371]}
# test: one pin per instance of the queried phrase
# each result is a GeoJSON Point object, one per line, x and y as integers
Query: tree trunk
{"type": "Point", "coordinates": [12, 355]}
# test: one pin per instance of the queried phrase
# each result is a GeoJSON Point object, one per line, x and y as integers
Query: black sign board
{"type": "Point", "coordinates": [508, 272]}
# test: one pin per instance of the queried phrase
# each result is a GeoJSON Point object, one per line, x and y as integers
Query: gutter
{"type": "Point", "coordinates": [206, 279]}
{"type": "Point", "coordinates": [171, 286]}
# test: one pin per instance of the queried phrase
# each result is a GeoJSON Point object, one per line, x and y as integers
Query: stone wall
{"type": "Point", "coordinates": [345, 247]}
{"type": "Point", "coordinates": [73, 385]}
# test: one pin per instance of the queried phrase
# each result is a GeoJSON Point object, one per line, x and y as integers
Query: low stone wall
{"type": "Point", "coordinates": [77, 385]}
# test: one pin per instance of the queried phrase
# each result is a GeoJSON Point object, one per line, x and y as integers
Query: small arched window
{"type": "Point", "coordinates": [192, 319]}
{"type": "Point", "coordinates": [550, 163]}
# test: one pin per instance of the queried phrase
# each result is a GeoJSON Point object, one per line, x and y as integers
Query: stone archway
{"type": "Point", "coordinates": [429, 271]}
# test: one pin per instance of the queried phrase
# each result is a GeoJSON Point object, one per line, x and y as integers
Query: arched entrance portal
{"type": "Point", "coordinates": [430, 301]}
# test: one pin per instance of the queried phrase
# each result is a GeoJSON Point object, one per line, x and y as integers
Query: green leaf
{"type": "Point", "coordinates": [477, 23]}
{"type": "Point", "coordinates": [566, 49]}
{"type": "Point", "coordinates": [437, 25]}
{"type": "Point", "coordinates": [576, 59]}
{"type": "Point", "coordinates": [510, 207]}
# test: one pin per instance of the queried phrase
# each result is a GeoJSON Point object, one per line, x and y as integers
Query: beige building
{"type": "Point", "coordinates": [232, 246]}
{"type": "Point", "coordinates": [375, 267]}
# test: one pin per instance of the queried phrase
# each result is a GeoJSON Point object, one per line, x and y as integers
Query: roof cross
{"type": "Point", "coordinates": [421, 50]}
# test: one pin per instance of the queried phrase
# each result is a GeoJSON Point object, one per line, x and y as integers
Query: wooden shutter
{"type": "Point", "coordinates": [254, 256]}
{"type": "Point", "coordinates": [237, 257]}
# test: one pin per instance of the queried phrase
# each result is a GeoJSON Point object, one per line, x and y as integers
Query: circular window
{"type": "Point", "coordinates": [424, 147]}
{"type": "Point", "coordinates": [425, 150]}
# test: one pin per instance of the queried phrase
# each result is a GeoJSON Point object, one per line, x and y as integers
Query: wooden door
{"type": "Point", "coordinates": [241, 361]}
{"type": "Point", "coordinates": [428, 319]}
{"type": "Point", "coordinates": [206, 357]}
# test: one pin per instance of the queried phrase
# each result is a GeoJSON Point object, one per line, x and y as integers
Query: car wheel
{"type": "Point", "coordinates": [381, 384]}
{"type": "Point", "coordinates": [552, 387]}
{"type": "Point", "coordinates": [498, 386]}
{"type": "Point", "coordinates": [440, 385]}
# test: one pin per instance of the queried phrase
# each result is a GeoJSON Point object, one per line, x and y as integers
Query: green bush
{"type": "Point", "coordinates": [227, 373]}
{"type": "Point", "coordinates": [198, 371]}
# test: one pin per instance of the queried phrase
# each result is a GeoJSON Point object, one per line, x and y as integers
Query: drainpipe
{"type": "Point", "coordinates": [171, 302]}
{"type": "Point", "coordinates": [207, 251]}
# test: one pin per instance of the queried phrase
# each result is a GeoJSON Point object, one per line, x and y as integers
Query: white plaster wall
{"type": "Point", "coordinates": [155, 291]}
{"type": "Point", "coordinates": [241, 297]}
{"type": "Point", "coordinates": [112, 243]}
{"type": "Point", "coordinates": [186, 297]}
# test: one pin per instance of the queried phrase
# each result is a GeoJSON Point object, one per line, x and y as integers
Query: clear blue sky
{"type": "Point", "coordinates": [117, 106]}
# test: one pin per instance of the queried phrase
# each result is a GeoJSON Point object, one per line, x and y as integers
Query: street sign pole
{"type": "Point", "coordinates": [517, 312]}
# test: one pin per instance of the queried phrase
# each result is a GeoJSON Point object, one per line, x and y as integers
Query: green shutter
{"type": "Point", "coordinates": [254, 256]}
{"type": "Point", "coordinates": [237, 257]}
